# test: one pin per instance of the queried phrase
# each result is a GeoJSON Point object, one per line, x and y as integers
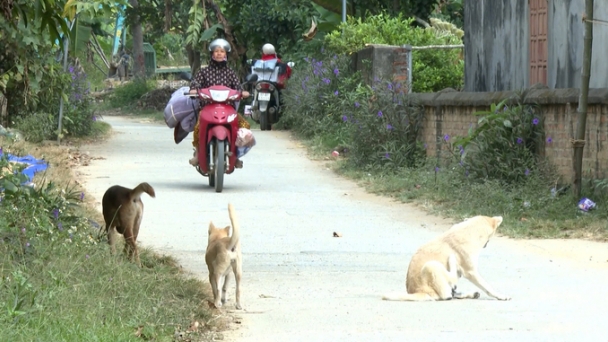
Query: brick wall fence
{"type": "Point", "coordinates": [451, 112]}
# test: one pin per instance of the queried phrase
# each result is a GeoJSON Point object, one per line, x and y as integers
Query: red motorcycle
{"type": "Point", "coordinates": [218, 127]}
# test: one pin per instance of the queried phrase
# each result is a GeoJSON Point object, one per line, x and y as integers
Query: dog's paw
{"type": "Point", "coordinates": [238, 306]}
{"type": "Point", "coordinates": [503, 298]}
{"type": "Point", "coordinates": [476, 295]}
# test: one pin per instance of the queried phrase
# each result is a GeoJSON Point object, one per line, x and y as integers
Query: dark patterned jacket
{"type": "Point", "coordinates": [216, 73]}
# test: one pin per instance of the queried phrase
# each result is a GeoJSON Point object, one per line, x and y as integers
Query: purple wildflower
{"type": "Point", "coordinates": [549, 140]}
{"type": "Point", "coordinates": [425, 146]}
{"type": "Point", "coordinates": [336, 93]}
{"type": "Point", "coordinates": [446, 137]}
{"type": "Point", "coordinates": [390, 86]}
{"type": "Point", "coordinates": [387, 156]}
{"type": "Point", "coordinates": [23, 230]}
{"type": "Point", "coordinates": [82, 196]}
{"type": "Point", "coordinates": [336, 71]}
{"type": "Point", "coordinates": [86, 256]}
{"type": "Point", "coordinates": [389, 127]}
{"type": "Point", "coordinates": [527, 173]}
{"type": "Point", "coordinates": [326, 80]}
{"type": "Point", "coordinates": [94, 118]}
{"type": "Point", "coordinates": [344, 118]}
{"type": "Point", "coordinates": [357, 104]}
{"type": "Point", "coordinates": [27, 244]}
{"type": "Point", "coordinates": [461, 149]}
{"type": "Point", "coordinates": [535, 121]}
{"type": "Point", "coordinates": [436, 168]}
{"type": "Point", "coordinates": [520, 140]}
{"type": "Point", "coordinates": [379, 113]}
{"type": "Point", "coordinates": [60, 226]}
{"type": "Point", "coordinates": [56, 213]}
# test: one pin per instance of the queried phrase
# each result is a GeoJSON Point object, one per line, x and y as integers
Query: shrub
{"type": "Point", "coordinates": [505, 144]}
{"type": "Point", "coordinates": [127, 94]}
{"type": "Point", "coordinates": [327, 100]}
{"type": "Point", "coordinates": [433, 69]}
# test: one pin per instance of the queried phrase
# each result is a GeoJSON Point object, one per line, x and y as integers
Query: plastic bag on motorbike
{"type": "Point", "coordinates": [181, 109]}
{"type": "Point", "coordinates": [244, 141]}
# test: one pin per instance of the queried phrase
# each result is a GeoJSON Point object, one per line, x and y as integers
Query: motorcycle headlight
{"type": "Point", "coordinates": [233, 97]}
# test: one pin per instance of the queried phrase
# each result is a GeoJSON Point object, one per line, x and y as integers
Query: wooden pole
{"type": "Point", "coordinates": [578, 143]}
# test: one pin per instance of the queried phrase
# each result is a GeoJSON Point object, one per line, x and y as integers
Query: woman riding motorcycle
{"type": "Point", "coordinates": [216, 73]}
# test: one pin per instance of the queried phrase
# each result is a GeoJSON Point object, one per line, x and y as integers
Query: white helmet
{"type": "Point", "coordinates": [223, 43]}
{"type": "Point", "coordinates": [268, 49]}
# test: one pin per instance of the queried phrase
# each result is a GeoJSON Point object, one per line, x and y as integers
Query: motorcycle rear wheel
{"type": "Point", "coordinates": [264, 121]}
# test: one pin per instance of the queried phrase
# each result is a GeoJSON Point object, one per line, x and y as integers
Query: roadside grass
{"type": "Point", "coordinates": [529, 208]}
{"type": "Point", "coordinates": [58, 279]}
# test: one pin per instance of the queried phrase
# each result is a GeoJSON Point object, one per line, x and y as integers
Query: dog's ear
{"type": "Point", "coordinates": [211, 227]}
{"type": "Point", "coordinates": [497, 221]}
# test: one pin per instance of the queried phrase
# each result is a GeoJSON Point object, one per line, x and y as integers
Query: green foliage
{"type": "Point", "coordinates": [375, 126]}
{"type": "Point", "coordinates": [127, 95]}
{"type": "Point", "coordinates": [78, 114]}
{"type": "Point", "coordinates": [433, 70]}
{"type": "Point", "coordinates": [504, 146]}
{"type": "Point", "coordinates": [283, 23]}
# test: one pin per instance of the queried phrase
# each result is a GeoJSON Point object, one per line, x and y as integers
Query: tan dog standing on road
{"type": "Point", "coordinates": [437, 265]}
{"type": "Point", "coordinates": [224, 253]}
{"type": "Point", "coordinates": [122, 212]}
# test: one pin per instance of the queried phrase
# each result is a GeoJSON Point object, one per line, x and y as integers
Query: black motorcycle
{"type": "Point", "coordinates": [266, 105]}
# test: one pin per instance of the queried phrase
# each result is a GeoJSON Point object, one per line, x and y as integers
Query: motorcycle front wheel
{"type": "Point", "coordinates": [219, 162]}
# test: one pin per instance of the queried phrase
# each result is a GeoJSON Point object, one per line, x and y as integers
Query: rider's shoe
{"type": "Point", "coordinates": [238, 164]}
{"type": "Point", "coordinates": [194, 160]}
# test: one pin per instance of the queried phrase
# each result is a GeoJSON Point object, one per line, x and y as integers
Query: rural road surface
{"type": "Point", "coordinates": [302, 284]}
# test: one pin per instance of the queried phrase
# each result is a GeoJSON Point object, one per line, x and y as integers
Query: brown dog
{"type": "Point", "coordinates": [122, 212]}
{"type": "Point", "coordinates": [223, 253]}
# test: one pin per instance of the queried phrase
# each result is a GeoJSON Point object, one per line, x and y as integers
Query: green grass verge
{"type": "Point", "coordinates": [529, 208]}
{"type": "Point", "coordinates": [58, 279]}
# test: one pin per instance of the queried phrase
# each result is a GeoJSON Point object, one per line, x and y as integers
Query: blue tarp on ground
{"type": "Point", "coordinates": [32, 165]}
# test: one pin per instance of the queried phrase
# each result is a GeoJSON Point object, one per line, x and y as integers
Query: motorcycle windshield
{"type": "Point", "coordinates": [266, 70]}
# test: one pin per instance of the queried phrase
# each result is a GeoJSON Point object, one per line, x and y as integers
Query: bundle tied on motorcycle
{"type": "Point", "coordinates": [244, 141]}
{"type": "Point", "coordinates": [181, 109]}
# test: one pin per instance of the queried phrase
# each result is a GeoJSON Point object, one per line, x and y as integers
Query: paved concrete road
{"type": "Point", "coordinates": [302, 284]}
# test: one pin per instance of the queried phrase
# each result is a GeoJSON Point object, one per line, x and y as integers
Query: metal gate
{"type": "Point", "coordinates": [538, 41]}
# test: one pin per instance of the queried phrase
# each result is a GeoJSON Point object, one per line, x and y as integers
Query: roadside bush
{"type": "Point", "coordinates": [78, 114]}
{"type": "Point", "coordinates": [433, 69]}
{"type": "Point", "coordinates": [127, 94]}
{"type": "Point", "coordinates": [505, 144]}
{"type": "Point", "coordinates": [375, 126]}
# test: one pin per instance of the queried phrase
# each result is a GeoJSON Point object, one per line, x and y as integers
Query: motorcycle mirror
{"type": "Point", "coordinates": [251, 78]}
{"type": "Point", "coordinates": [291, 64]}
{"type": "Point", "coordinates": [186, 76]}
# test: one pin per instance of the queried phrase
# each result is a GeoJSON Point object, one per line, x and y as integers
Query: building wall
{"type": "Point", "coordinates": [496, 41]}
{"type": "Point", "coordinates": [566, 41]}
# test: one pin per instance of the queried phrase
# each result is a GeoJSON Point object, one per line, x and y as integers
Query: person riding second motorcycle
{"type": "Point", "coordinates": [216, 73]}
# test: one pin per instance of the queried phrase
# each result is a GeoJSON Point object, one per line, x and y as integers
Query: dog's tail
{"type": "Point", "coordinates": [234, 238]}
{"type": "Point", "coordinates": [410, 297]}
{"type": "Point", "coordinates": [141, 188]}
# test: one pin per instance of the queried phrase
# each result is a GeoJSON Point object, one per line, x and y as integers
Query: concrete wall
{"type": "Point", "coordinates": [565, 44]}
{"type": "Point", "coordinates": [496, 45]}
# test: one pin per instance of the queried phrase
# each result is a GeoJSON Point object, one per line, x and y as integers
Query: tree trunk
{"type": "Point", "coordinates": [579, 141]}
{"type": "Point", "coordinates": [139, 68]}
{"type": "Point", "coordinates": [168, 15]}
{"type": "Point", "coordinates": [194, 59]}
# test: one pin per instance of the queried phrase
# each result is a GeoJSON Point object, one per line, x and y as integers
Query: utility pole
{"type": "Point", "coordinates": [578, 143]}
